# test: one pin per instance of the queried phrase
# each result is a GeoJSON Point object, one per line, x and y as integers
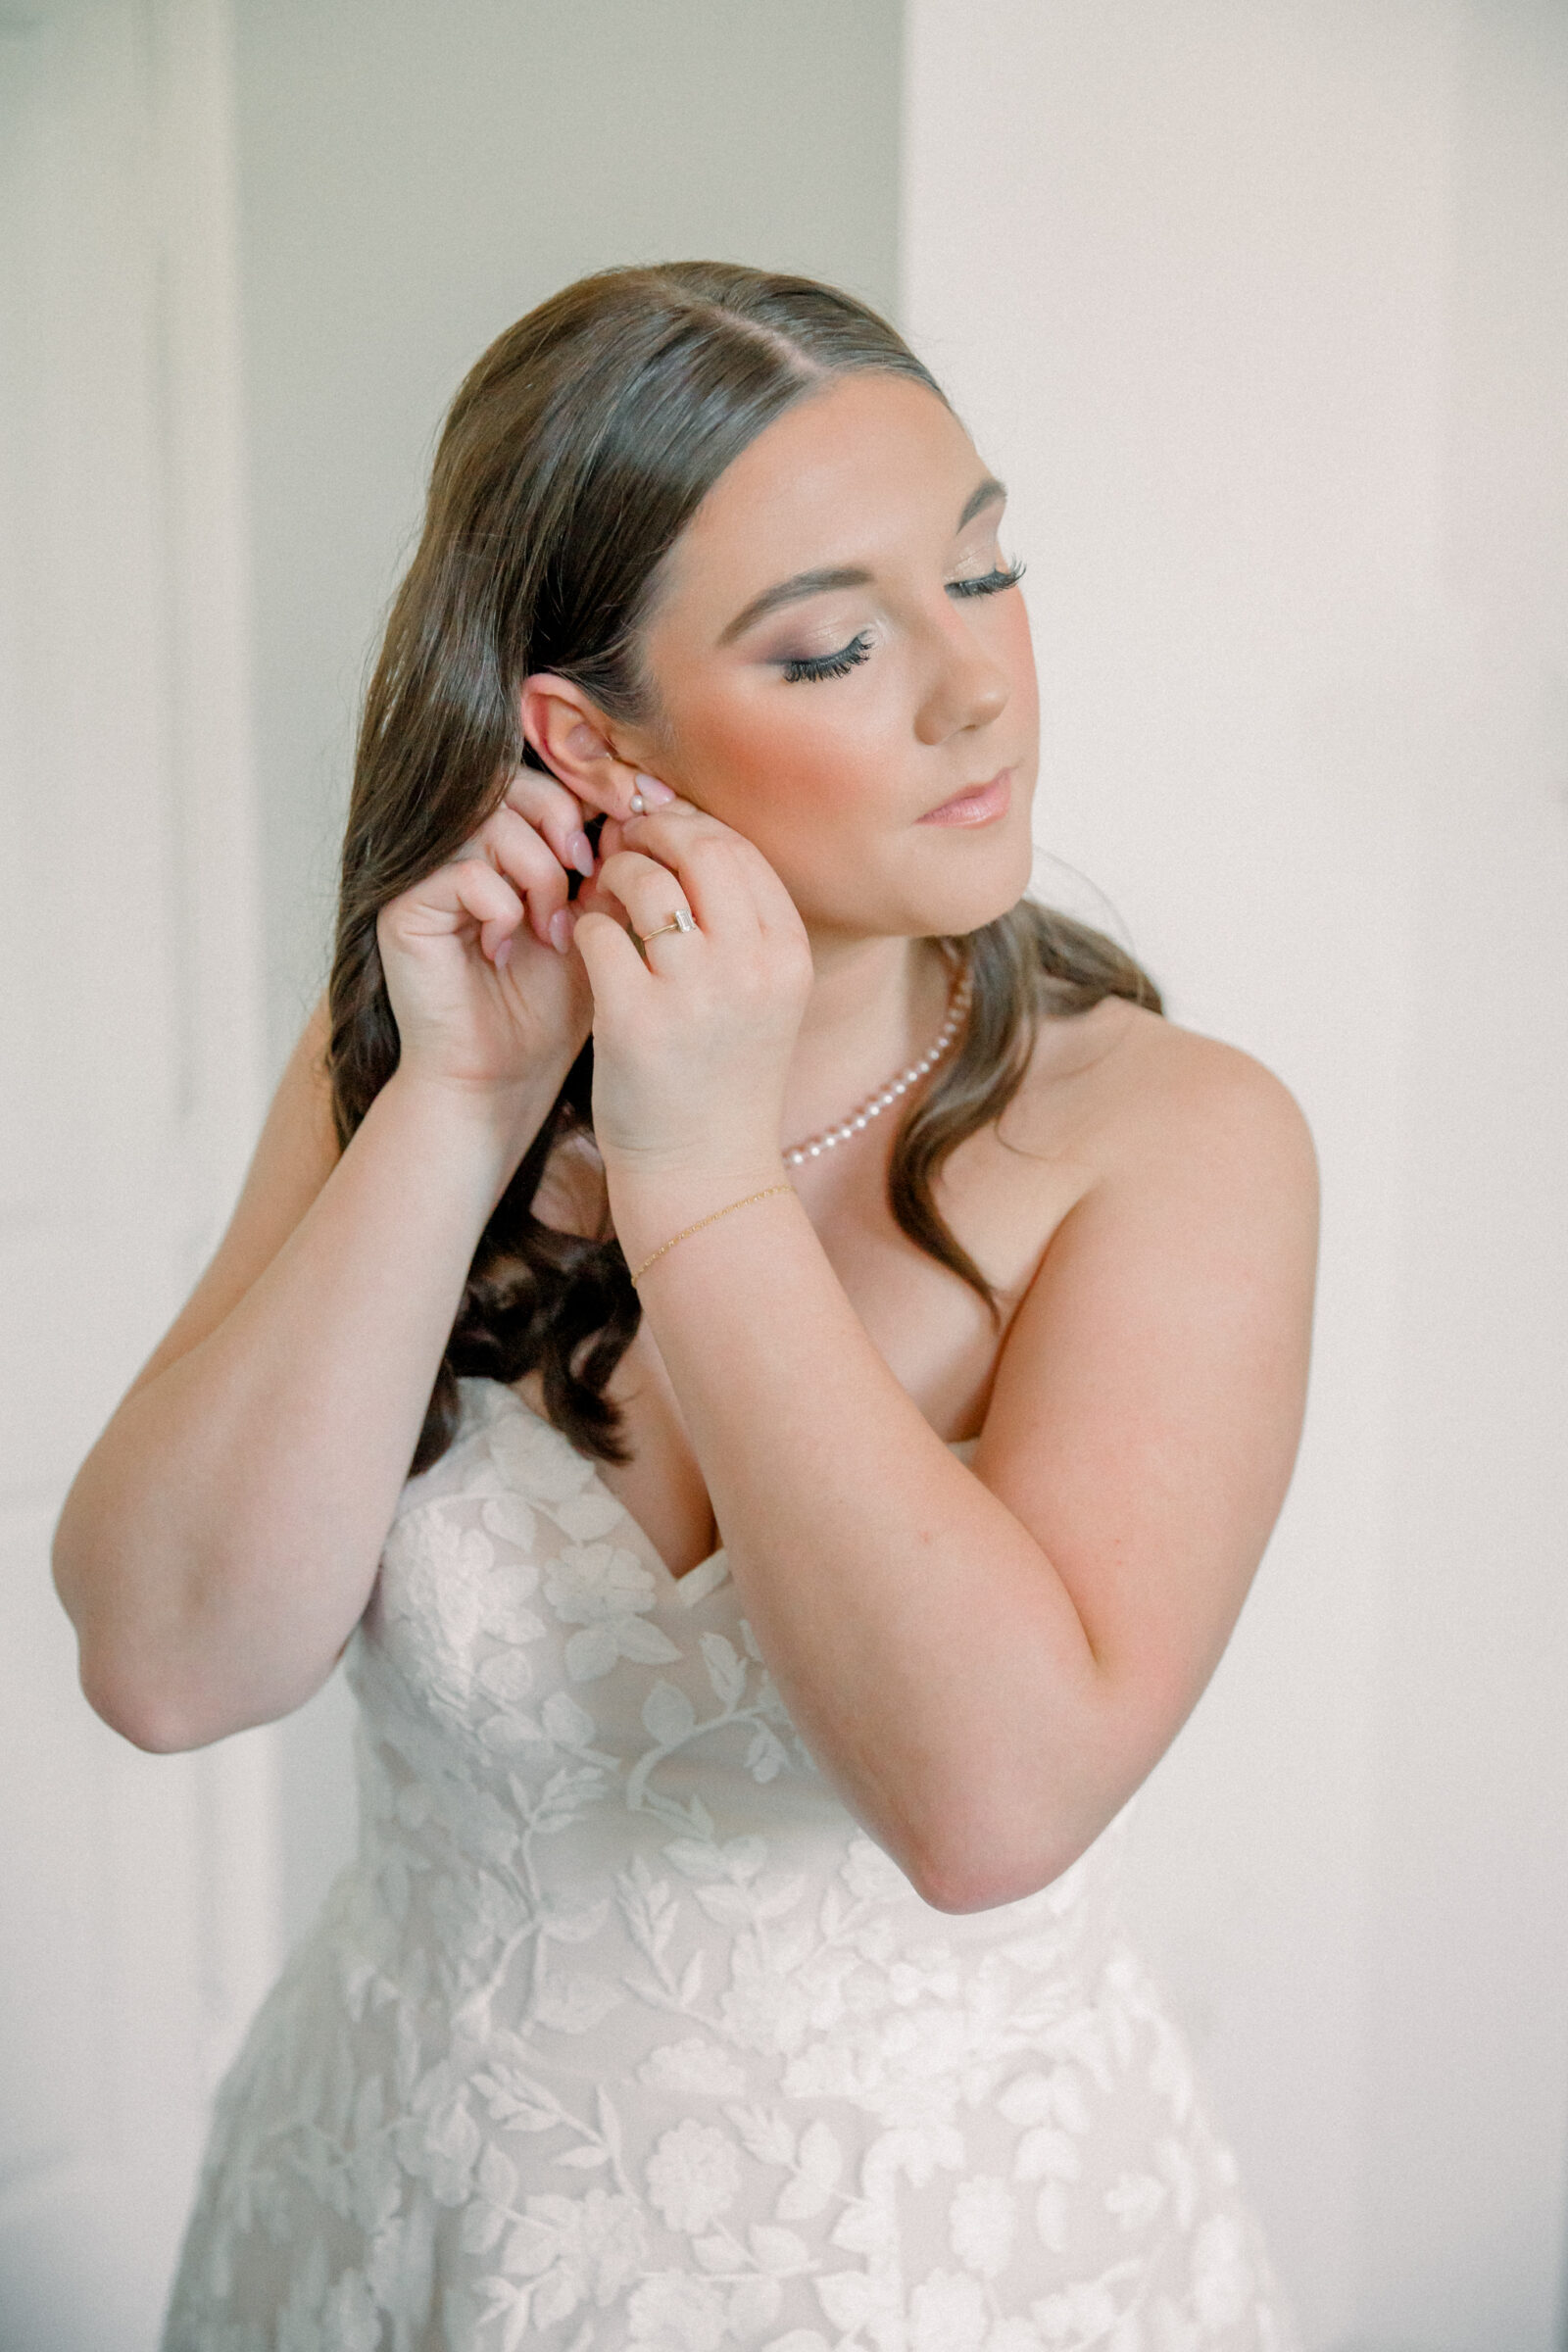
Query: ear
{"type": "Point", "coordinates": [577, 743]}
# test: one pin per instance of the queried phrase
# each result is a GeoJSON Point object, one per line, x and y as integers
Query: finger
{"type": "Point", "coordinates": [547, 803]}
{"type": "Point", "coordinates": [493, 904]}
{"type": "Point", "coordinates": [469, 893]}
{"type": "Point", "coordinates": [712, 862]}
{"type": "Point", "coordinates": [528, 861]}
{"type": "Point", "coordinates": [610, 958]}
{"type": "Point", "coordinates": [622, 814]}
{"type": "Point", "coordinates": [623, 787]}
{"type": "Point", "coordinates": [651, 893]}
{"type": "Point", "coordinates": [707, 860]}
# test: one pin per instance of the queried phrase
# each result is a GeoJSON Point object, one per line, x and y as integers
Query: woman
{"type": "Point", "coordinates": [820, 1521]}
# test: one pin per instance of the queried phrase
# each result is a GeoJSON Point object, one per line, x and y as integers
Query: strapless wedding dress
{"type": "Point", "coordinates": [619, 2032]}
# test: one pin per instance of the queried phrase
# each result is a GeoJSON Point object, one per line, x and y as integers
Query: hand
{"type": "Point", "coordinates": [483, 997]}
{"type": "Point", "coordinates": [691, 1046]}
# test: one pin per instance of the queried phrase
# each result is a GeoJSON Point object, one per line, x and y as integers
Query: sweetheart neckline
{"type": "Point", "coordinates": [636, 1525]}
{"type": "Point", "coordinates": [700, 1569]}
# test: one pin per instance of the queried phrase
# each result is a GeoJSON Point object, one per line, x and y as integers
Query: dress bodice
{"type": "Point", "coordinates": [540, 1695]}
{"type": "Point", "coordinates": [621, 2032]}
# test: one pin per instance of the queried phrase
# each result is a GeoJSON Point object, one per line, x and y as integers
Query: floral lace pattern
{"type": "Point", "coordinates": [619, 2032]}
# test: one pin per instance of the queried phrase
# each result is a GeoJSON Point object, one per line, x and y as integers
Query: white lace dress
{"type": "Point", "coordinates": [620, 2032]}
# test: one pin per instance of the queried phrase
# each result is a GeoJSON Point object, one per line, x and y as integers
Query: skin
{"type": "Point", "coordinates": [985, 1659]}
{"type": "Point", "coordinates": [828, 778]}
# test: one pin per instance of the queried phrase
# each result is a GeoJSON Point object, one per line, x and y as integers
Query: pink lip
{"type": "Point", "coordinates": [976, 807]}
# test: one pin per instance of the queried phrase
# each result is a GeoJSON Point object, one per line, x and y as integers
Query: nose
{"type": "Point", "coordinates": [966, 685]}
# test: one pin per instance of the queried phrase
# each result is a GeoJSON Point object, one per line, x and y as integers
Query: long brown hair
{"type": "Point", "coordinates": [576, 451]}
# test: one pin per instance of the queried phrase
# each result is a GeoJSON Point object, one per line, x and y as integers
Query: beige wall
{"type": "Point", "coordinates": [1263, 311]}
{"type": "Point", "coordinates": [412, 177]}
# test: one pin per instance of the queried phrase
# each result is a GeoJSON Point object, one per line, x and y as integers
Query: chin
{"type": "Point", "coordinates": [971, 900]}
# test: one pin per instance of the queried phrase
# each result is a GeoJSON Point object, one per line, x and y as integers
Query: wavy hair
{"type": "Point", "coordinates": [576, 451]}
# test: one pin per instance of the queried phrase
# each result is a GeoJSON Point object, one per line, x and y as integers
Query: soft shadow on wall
{"type": "Point", "coordinates": [411, 180]}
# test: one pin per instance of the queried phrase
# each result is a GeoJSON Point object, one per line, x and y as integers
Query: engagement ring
{"type": "Point", "coordinates": [680, 922]}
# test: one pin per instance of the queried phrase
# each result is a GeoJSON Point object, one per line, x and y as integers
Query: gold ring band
{"type": "Point", "coordinates": [681, 920]}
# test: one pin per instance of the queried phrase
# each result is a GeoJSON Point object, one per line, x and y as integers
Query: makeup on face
{"type": "Point", "coordinates": [798, 669]}
{"type": "Point", "coordinates": [976, 805]}
{"type": "Point", "coordinates": [840, 665]}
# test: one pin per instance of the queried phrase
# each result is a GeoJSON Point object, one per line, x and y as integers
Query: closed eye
{"type": "Point", "coordinates": [830, 666]}
{"type": "Point", "coordinates": [806, 668]}
{"type": "Point", "coordinates": [988, 583]}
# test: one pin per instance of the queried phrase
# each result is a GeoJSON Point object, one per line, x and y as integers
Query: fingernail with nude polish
{"type": "Point", "coordinates": [561, 927]}
{"type": "Point", "coordinates": [580, 849]}
{"type": "Point", "coordinates": [655, 794]}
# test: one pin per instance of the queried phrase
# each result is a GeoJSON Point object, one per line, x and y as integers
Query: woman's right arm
{"type": "Point", "coordinates": [221, 1539]}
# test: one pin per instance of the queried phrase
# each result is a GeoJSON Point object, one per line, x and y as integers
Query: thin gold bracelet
{"type": "Point", "coordinates": [702, 1221]}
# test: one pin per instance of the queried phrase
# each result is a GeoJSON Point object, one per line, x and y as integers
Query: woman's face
{"type": "Point", "coordinates": [837, 652]}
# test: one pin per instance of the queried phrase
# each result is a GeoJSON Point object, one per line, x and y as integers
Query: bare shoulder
{"type": "Point", "coordinates": [1148, 1397]}
{"type": "Point", "coordinates": [1134, 1097]}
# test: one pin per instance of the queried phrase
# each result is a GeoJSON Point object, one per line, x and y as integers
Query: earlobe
{"type": "Point", "coordinates": [573, 740]}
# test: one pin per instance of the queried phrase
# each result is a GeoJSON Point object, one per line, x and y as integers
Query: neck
{"type": "Point", "coordinates": [877, 1006]}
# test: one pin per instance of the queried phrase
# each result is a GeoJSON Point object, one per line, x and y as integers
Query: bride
{"type": "Point", "coordinates": [777, 1364]}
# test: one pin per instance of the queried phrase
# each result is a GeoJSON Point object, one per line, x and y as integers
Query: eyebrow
{"type": "Point", "coordinates": [985, 493]}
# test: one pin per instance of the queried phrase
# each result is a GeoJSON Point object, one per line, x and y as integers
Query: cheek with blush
{"type": "Point", "coordinates": [1015, 646]}
{"type": "Point", "coordinates": [768, 773]}
{"type": "Point", "coordinates": [817, 749]}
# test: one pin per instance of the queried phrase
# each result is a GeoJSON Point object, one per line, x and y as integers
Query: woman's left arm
{"type": "Point", "coordinates": [987, 1660]}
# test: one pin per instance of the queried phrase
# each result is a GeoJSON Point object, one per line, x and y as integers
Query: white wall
{"type": "Point", "coordinates": [412, 177]}
{"type": "Point", "coordinates": [1256, 307]}
{"type": "Point", "coordinates": [137, 1905]}
{"type": "Point", "coordinates": [1263, 311]}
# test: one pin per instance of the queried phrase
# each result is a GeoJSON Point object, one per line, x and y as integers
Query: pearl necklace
{"type": "Point", "coordinates": [875, 1104]}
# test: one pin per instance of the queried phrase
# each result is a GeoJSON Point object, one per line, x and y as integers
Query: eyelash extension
{"type": "Point", "coordinates": [849, 657]}
{"type": "Point", "coordinates": [989, 583]}
{"type": "Point", "coordinates": [829, 665]}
